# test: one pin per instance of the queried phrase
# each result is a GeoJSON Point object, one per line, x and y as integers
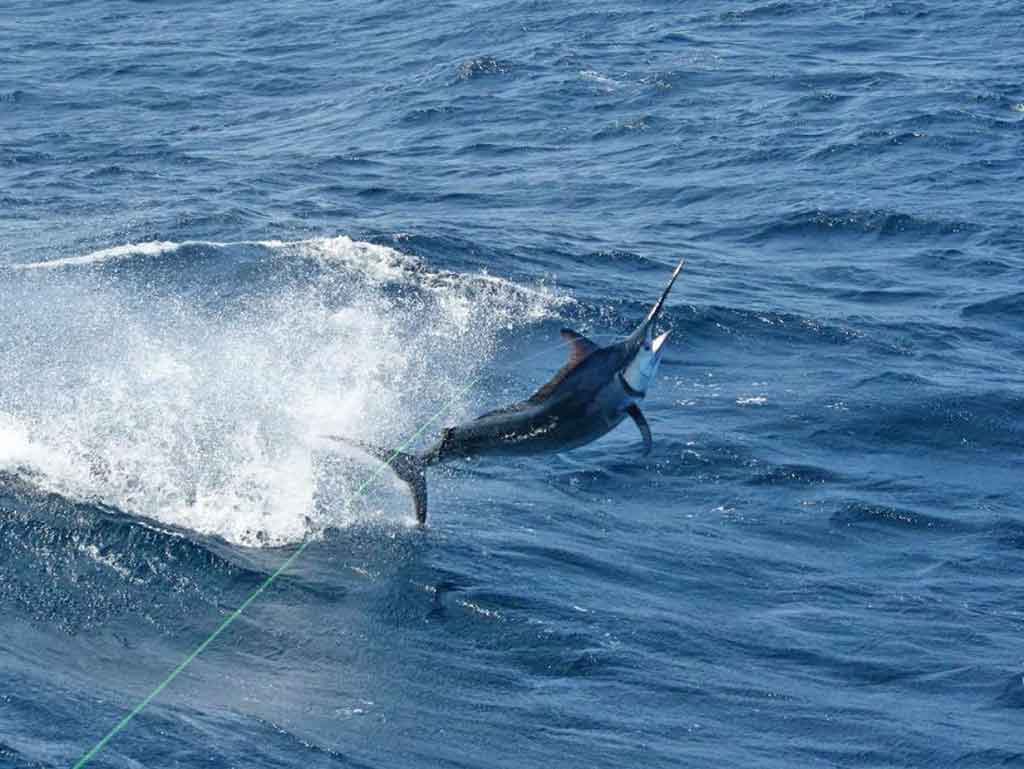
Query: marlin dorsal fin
{"type": "Point", "coordinates": [579, 346]}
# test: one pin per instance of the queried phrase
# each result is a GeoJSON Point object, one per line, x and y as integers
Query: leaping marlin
{"type": "Point", "coordinates": [589, 396]}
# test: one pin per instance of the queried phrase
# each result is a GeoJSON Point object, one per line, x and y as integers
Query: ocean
{"type": "Point", "coordinates": [229, 230]}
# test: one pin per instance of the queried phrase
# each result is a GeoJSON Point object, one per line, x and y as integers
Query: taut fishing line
{"type": "Point", "coordinates": [230, 619]}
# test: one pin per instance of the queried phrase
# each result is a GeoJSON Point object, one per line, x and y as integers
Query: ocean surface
{"type": "Point", "coordinates": [229, 229]}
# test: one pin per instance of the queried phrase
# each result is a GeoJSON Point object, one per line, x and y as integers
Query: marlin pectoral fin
{"type": "Point", "coordinates": [641, 423]}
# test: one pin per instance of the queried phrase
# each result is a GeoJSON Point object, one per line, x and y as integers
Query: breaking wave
{"type": "Point", "coordinates": [209, 415]}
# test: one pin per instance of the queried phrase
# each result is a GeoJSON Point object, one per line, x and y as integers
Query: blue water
{"type": "Point", "coordinates": [228, 229]}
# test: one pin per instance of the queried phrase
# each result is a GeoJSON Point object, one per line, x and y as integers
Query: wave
{"type": "Point", "coordinates": [991, 420]}
{"type": "Point", "coordinates": [1008, 308]}
{"type": "Point", "coordinates": [766, 11]}
{"type": "Point", "coordinates": [955, 261]}
{"type": "Point", "coordinates": [17, 96]}
{"type": "Point", "coordinates": [864, 513]}
{"type": "Point", "coordinates": [77, 565]}
{"type": "Point", "coordinates": [895, 379]}
{"type": "Point", "coordinates": [208, 415]}
{"type": "Point", "coordinates": [795, 475]}
{"type": "Point", "coordinates": [803, 329]}
{"type": "Point", "coordinates": [381, 260]}
{"type": "Point", "coordinates": [482, 66]}
{"type": "Point", "coordinates": [883, 222]}
{"type": "Point", "coordinates": [128, 250]}
{"type": "Point", "coordinates": [1012, 696]}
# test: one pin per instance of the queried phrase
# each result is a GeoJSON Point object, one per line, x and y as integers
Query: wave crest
{"type": "Point", "coordinates": [209, 415]}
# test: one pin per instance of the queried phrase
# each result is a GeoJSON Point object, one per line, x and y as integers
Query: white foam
{"type": "Point", "coordinates": [18, 451]}
{"type": "Point", "coordinates": [609, 84]}
{"type": "Point", "coordinates": [339, 249]}
{"type": "Point", "coordinates": [751, 400]}
{"type": "Point", "coordinates": [211, 420]}
{"type": "Point", "coordinates": [114, 253]}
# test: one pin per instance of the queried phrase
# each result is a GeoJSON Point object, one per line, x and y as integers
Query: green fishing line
{"type": "Point", "coordinates": [229, 620]}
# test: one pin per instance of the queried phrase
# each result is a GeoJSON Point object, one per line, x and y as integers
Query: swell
{"type": "Point", "coordinates": [861, 513]}
{"type": "Point", "coordinates": [880, 222]}
{"type": "Point", "coordinates": [76, 566]}
{"type": "Point", "coordinates": [1008, 308]}
{"type": "Point", "coordinates": [992, 420]}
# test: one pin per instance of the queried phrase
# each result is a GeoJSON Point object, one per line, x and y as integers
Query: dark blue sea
{"type": "Point", "coordinates": [230, 229]}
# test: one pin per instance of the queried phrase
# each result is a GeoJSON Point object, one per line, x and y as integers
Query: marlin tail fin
{"type": "Point", "coordinates": [411, 468]}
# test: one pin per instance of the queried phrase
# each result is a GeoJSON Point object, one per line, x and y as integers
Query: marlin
{"type": "Point", "coordinates": [589, 396]}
